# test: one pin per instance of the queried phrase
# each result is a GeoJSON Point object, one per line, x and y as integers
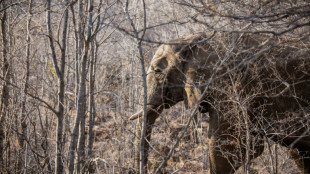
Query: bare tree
{"type": "Point", "coordinates": [91, 105]}
{"type": "Point", "coordinates": [23, 118]}
{"type": "Point", "coordinates": [60, 72]}
{"type": "Point", "coordinates": [5, 94]}
{"type": "Point", "coordinates": [142, 123]}
{"type": "Point", "coordinates": [81, 109]}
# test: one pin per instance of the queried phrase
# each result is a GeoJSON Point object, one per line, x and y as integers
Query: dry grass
{"type": "Point", "coordinates": [114, 149]}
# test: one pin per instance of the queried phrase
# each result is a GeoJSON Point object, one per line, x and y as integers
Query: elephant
{"type": "Point", "coordinates": [253, 86]}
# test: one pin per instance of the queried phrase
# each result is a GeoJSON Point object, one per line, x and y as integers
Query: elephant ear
{"type": "Point", "coordinates": [189, 69]}
{"type": "Point", "coordinates": [192, 90]}
{"type": "Point", "coordinates": [191, 51]}
{"type": "Point", "coordinates": [194, 87]}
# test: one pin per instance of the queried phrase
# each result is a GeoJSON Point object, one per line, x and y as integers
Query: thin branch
{"type": "Point", "coordinates": [32, 96]}
{"type": "Point", "coordinates": [11, 5]}
{"type": "Point", "coordinates": [253, 32]}
{"type": "Point", "coordinates": [50, 34]}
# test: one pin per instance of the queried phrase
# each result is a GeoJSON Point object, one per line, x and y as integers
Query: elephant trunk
{"type": "Point", "coordinates": [151, 115]}
{"type": "Point", "coordinates": [140, 113]}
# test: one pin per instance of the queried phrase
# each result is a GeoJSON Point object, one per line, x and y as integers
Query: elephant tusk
{"type": "Point", "coordinates": [136, 115]}
{"type": "Point", "coordinates": [140, 113]}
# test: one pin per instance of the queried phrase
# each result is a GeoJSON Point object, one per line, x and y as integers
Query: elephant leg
{"type": "Point", "coordinates": [226, 156]}
{"type": "Point", "coordinates": [149, 124]}
{"type": "Point", "coordinates": [302, 160]}
{"type": "Point", "coordinates": [306, 162]}
{"type": "Point", "coordinates": [220, 161]}
{"type": "Point", "coordinates": [226, 150]}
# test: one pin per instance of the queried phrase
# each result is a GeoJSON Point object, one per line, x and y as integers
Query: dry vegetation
{"type": "Point", "coordinates": [70, 83]}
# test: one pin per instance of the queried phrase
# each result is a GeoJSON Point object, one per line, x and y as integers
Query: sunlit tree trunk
{"type": "Point", "coordinates": [78, 134]}
{"type": "Point", "coordinates": [5, 89]}
{"type": "Point", "coordinates": [92, 108]}
{"type": "Point", "coordinates": [60, 71]}
{"type": "Point", "coordinates": [80, 113]}
{"type": "Point", "coordinates": [23, 122]}
{"type": "Point", "coordinates": [79, 47]}
{"type": "Point", "coordinates": [140, 143]}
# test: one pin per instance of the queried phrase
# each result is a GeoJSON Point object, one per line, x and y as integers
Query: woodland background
{"type": "Point", "coordinates": [71, 77]}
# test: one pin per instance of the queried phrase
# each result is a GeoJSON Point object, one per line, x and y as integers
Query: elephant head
{"type": "Point", "coordinates": [172, 75]}
{"type": "Point", "coordinates": [164, 80]}
{"type": "Point", "coordinates": [180, 71]}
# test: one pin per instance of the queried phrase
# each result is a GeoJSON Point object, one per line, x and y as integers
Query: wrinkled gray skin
{"type": "Point", "coordinates": [279, 91]}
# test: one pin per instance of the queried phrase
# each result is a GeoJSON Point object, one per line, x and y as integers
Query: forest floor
{"type": "Point", "coordinates": [115, 152]}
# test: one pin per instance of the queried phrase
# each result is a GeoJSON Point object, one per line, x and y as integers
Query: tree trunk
{"type": "Point", "coordinates": [61, 83]}
{"type": "Point", "coordinates": [80, 45]}
{"type": "Point", "coordinates": [92, 108]}
{"type": "Point", "coordinates": [5, 89]}
{"type": "Point", "coordinates": [82, 138]}
{"type": "Point", "coordinates": [23, 122]}
{"type": "Point", "coordinates": [142, 130]}
{"type": "Point", "coordinates": [142, 144]}
{"type": "Point", "coordinates": [80, 115]}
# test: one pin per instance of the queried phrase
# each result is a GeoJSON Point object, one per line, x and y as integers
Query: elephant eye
{"type": "Point", "coordinates": [157, 70]}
